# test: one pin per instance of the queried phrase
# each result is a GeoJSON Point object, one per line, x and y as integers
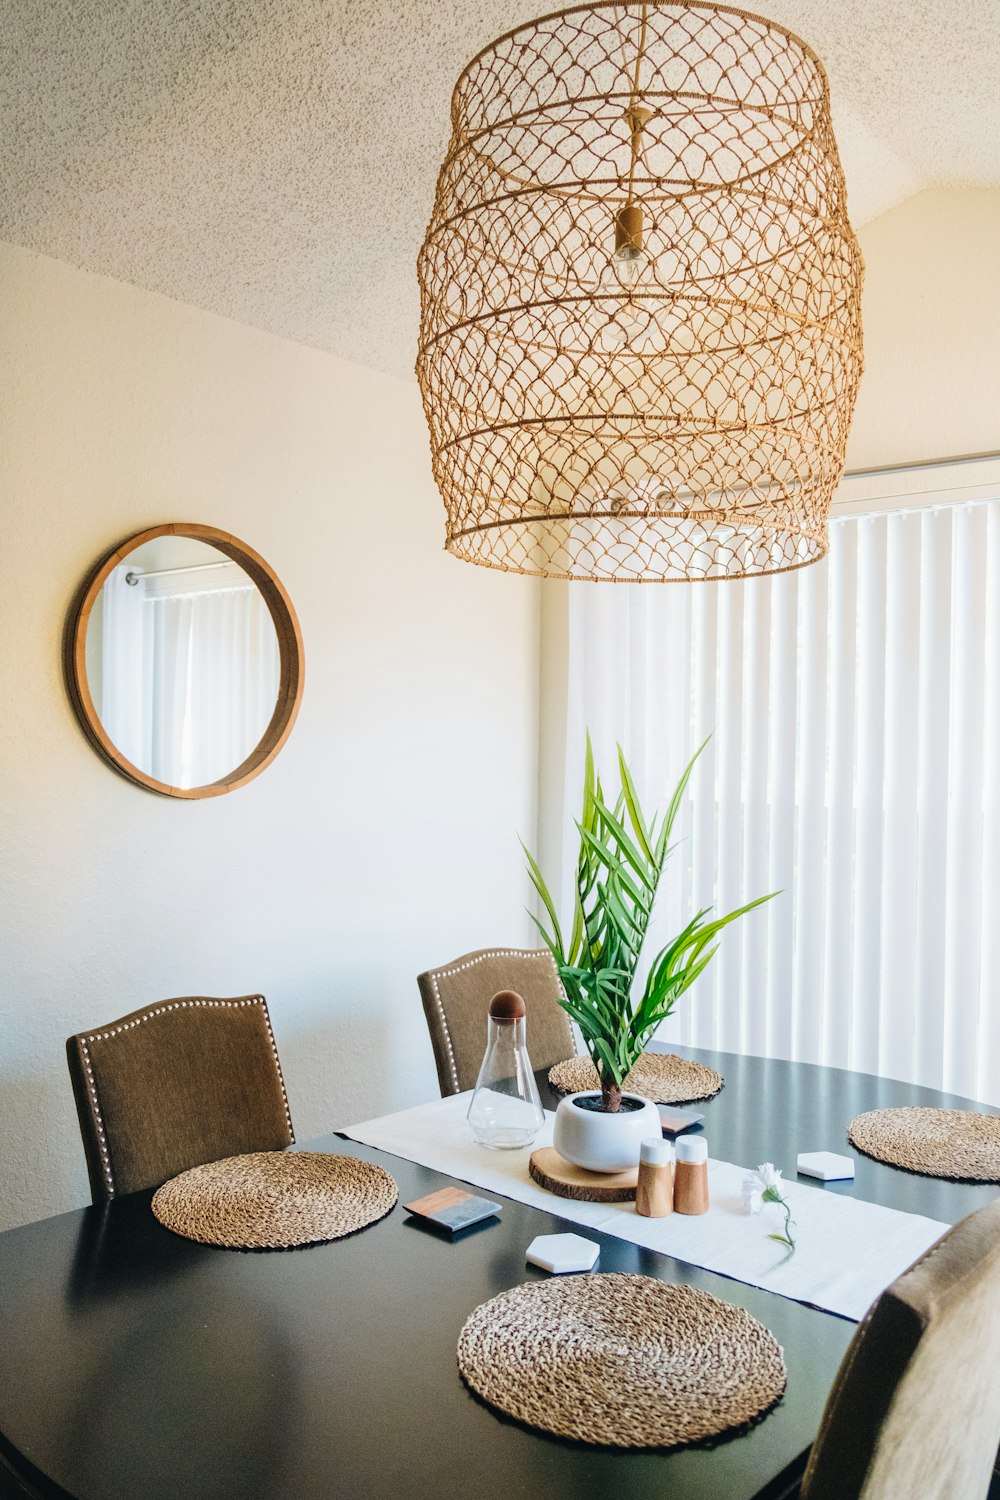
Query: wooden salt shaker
{"type": "Point", "coordinates": [654, 1194]}
{"type": "Point", "coordinates": [691, 1176]}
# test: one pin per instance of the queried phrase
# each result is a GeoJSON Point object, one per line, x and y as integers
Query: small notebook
{"type": "Point", "coordinates": [451, 1209]}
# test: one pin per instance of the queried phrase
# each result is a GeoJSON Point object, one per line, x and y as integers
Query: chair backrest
{"type": "Point", "coordinates": [915, 1407]}
{"type": "Point", "coordinates": [456, 998]}
{"type": "Point", "coordinates": [176, 1084]}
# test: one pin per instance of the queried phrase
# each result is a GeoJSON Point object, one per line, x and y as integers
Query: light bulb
{"type": "Point", "coordinates": [629, 264]}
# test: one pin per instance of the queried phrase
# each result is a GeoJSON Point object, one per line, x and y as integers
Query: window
{"type": "Point", "coordinates": [854, 708]}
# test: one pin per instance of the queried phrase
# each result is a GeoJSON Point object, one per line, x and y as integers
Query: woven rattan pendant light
{"type": "Point", "coordinates": [641, 299]}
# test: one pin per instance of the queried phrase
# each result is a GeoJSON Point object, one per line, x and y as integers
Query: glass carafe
{"type": "Point", "coordinates": [506, 1112]}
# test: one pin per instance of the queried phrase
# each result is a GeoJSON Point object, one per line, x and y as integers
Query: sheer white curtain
{"type": "Point", "coordinates": [124, 654]}
{"type": "Point", "coordinates": [854, 709]}
{"type": "Point", "coordinates": [190, 672]}
{"type": "Point", "coordinates": [213, 683]}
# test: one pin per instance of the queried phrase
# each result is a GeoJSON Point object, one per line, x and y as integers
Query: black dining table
{"type": "Point", "coordinates": [137, 1365]}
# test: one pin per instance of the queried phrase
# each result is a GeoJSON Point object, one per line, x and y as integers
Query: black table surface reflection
{"type": "Point", "coordinates": [140, 1366]}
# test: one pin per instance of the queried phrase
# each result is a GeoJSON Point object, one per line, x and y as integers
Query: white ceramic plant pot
{"type": "Point", "coordinates": [602, 1142]}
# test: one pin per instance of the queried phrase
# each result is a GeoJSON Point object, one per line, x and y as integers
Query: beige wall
{"type": "Point", "coordinates": [931, 387]}
{"type": "Point", "coordinates": [382, 840]}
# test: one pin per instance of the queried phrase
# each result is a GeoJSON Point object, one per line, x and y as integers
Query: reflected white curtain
{"type": "Point", "coordinates": [214, 682]}
{"type": "Point", "coordinates": [854, 708]}
{"type": "Point", "coordinates": [191, 673]}
{"type": "Point", "coordinates": [124, 659]}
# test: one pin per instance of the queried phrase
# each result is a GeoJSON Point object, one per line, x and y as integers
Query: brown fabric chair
{"type": "Point", "coordinates": [174, 1085]}
{"type": "Point", "coordinates": [456, 998]}
{"type": "Point", "coordinates": [914, 1413]}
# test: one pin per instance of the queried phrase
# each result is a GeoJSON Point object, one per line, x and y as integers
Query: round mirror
{"type": "Point", "coordinates": [184, 661]}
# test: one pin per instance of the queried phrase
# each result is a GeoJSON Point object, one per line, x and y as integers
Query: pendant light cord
{"type": "Point", "coordinates": [636, 128]}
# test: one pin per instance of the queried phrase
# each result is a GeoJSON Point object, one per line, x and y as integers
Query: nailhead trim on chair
{"type": "Point", "coordinates": [436, 974]}
{"type": "Point", "coordinates": [161, 1010]}
{"type": "Point", "coordinates": [98, 1120]}
{"type": "Point", "coordinates": [447, 1033]}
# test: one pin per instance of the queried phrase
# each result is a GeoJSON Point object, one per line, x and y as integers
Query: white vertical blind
{"type": "Point", "coordinates": [989, 923]}
{"type": "Point", "coordinates": [854, 709]}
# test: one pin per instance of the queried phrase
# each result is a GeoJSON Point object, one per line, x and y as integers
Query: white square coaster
{"type": "Point", "coordinates": [826, 1165]}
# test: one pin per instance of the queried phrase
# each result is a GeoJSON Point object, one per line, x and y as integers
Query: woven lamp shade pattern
{"type": "Point", "coordinates": [678, 410]}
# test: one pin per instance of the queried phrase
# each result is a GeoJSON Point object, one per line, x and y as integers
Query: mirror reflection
{"type": "Point", "coordinates": [183, 663]}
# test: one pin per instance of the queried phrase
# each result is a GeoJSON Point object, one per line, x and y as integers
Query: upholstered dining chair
{"type": "Point", "coordinates": [456, 998]}
{"type": "Point", "coordinates": [914, 1413]}
{"type": "Point", "coordinates": [176, 1084]}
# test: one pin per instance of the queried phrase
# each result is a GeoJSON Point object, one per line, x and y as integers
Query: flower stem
{"type": "Point", "coordinates": [771, 1195]}
{"type": "Point", "coordinates": [788, 1225]}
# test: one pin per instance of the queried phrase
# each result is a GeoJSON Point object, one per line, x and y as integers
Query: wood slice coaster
{"type": "Point", "coordinates": [272, 1200]}
{"type": "Point", "coordinates": [955, 1143]}
{"type": "Point", "coordinates": [557, 1175]}
{"type": "Point", "coordinates": [622, 1361]}
{"type": "Point", "coordinates": [660, 1076]}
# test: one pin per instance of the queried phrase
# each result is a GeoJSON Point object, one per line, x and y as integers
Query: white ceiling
{"type": "Point", "coordinates": [275, 160]}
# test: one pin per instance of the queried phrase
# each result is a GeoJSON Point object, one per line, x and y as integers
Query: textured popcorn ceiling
{"type": "Point", "coordinates": [275, 160]}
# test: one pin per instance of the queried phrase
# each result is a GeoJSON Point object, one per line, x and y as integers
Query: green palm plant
{"type": "Point", "coordinates": [621, 862]}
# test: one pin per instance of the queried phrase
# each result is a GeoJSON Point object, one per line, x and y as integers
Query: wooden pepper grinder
{"type": "Point", "coordinates": [654, 1194]}
{"type": "Point", "coordinates": [691, 1176]}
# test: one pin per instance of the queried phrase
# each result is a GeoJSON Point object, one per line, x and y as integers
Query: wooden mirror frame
{"type": "Point", "coordinates": [286, 625]}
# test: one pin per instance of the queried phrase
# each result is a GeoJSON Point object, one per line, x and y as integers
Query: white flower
{"type": "Point", "coordinates": [753, 1193]}
{"type": "Point", "coordinates": [765, 1186]}
{"type": "Point", "coordinates": [756, 1184]}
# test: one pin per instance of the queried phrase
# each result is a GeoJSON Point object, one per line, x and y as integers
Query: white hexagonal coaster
{"type": "Point", "coordinates": [562, 1252]}
{"type": "Point", "coordinates": [828, 1166]}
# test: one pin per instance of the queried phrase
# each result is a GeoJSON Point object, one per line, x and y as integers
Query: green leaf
{"type": "Point", "coordinates": [547, 939]}
{"type": "Point", "coordinates": [538, 882]}
{"type": "Point", "coordinates": [631, 799]}
{"type": "Point", "coordinates": [612, 1066]}
{"type": "Point", "coordinates": [681, 940]}
{"type": "Point", "coordinates": [692, 972]}
{"type": "Point", "coordinates": [628, 927]}
{"type": "Point", "coordinates": [675, 804]}
{"type": "Point", "coordinates": [640, 898]}
{"type": "Point", "coordinates": [590, 785]}
{"type": "Point", "coordinates": [576, 936]}
{"type": "Point", "coordinates": [611, 857]}
{"type": "Point", "coordinates": [718, 923]}
{"type": "Point", "coordinates": [590, 1008]}
{"type": "Point", "coordinates": [610, 866]}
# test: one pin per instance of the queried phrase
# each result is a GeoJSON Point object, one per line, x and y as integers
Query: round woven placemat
{"type": "Point", "coordinates": [621, 1361]}
{"type": "Point", "coordinates": [272, 1200]}
{"type": "Point", "coordinates": [660, 1076]}
{"type": "Point", "coordinates": [956, 1143]}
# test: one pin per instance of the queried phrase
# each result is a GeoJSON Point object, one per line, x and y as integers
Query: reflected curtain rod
{"type": "Point", "coordinates": [133, 578]}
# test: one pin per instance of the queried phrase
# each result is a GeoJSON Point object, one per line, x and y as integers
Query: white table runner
{"type": "Point", "coordinates": [848, 1250]}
